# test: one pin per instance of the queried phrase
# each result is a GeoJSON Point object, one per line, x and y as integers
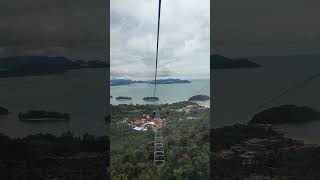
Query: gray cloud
{"type": "Point", "coordinates": [184, 46]}
{"type": "Point", "coordinates": [72, 28]}
{"type": "Point", "coordinates": [267, 27]}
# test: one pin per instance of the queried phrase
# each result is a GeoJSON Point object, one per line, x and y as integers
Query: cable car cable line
{"type": "Point", "coordinates": [158, 154]}
{"type": "Point", "coordinates": [297, 86]}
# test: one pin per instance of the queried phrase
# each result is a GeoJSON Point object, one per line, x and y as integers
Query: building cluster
{"type": "Point", "coordinates": [254, 151]}
{"type": "Point", "coordinates": [192, 109]}
{"type": "Point", "coordinates": [253, 157]}
{"type": "Point", "coordinates": [146, 122]}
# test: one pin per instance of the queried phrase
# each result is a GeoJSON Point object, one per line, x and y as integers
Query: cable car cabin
{"type": "Point", "coordinates": [153, 115]}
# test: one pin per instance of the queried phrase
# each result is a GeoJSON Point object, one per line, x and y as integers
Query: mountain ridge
{"type": "Point", "coordinates": [222, 62]}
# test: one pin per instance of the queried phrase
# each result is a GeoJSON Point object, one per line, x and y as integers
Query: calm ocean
{"type": "Point", "coordinates": [167, 93]}
{"type": "Point", "coordinates": [238, 92]}
{"type": "Point", "coordinates": [82, 93]}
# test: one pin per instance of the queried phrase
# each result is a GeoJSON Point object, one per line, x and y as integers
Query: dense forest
{"type": "Point", "coordinates": [44, 156]}
{"type": "Point", "coordinates": [186, 137]}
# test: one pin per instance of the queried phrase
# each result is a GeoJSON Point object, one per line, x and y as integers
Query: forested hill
{"type": "Point", "coordinates": [221, 62]}
{"type": "Point", "coordinates": [186, 137]}
{"type": "Point", "coordinates": [42, 65]}
{"type": "Point", "coordinates": [286, 114]}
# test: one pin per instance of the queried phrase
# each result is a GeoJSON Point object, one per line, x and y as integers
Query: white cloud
{"type": "Point", "coordinates": [184, 46]}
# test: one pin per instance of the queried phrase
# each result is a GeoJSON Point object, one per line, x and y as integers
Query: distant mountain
{"type": "Point", "coordinates": [286, 114]}
{"type": "Point", "coordinates": [42, 65]}
{"type": "Point", "coordinates": [221, 62]}
{"type": "Point", "coordinates": [118, 82]}
{"type": "Point", "coordinates": [169, 81]}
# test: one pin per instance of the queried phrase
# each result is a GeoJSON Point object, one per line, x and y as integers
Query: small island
{"type": "Point", "coordinates": [151, 99]}
{"type": "Point", "coordinates": [221, 62]}
{"type": "Point", "coordinates": [123, 98]}
{"type": "Point", "coordinates": [4, 111]}
{"type": "Point", "coordinates": [199, 98]}
{"type": "Point", "coordinates": [39, 115]}
{"type": "Point", "coordinates": [286, 114]}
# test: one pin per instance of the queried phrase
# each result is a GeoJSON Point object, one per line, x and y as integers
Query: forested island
{"type": "Point", "coordinates": [123, 98]}
{"type": "Point", "coordinates": [4, 111]}
{"type": "Point", "coordinates": [42, 65]}
{"type": "Point", "coordinates": [199, 98]}
{"type": "Point", "coordinates": [151, 99]}
{"type": "Point", "coordinates": [44, 156]}
{"type": "Point", "coordinates": [186, 136]}
{"type": "Point", "coordinates": [221, 62]}
{"type": "Point", "coordinates": [40, 115]}
{"type": "Point", "coordinates": [119, 82]}
{"type": "Point", "coordinates": [286, 114]}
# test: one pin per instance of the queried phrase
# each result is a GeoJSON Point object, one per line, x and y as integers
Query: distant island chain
{"type": "Point", "coordinates": [119, 82]}
{"type": "Point", "coordinates": [18, 66]}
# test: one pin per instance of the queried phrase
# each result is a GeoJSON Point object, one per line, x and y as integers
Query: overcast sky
{"type": "Point", "coordinates": [71, 28]}
{"type": "Point", "coordinates": [266, 27]}
{"type": "Point", "coordinates": [184, 46]}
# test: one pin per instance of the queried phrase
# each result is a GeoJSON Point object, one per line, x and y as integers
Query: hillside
{"type": "Point", "coordinates": [186, 138]}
